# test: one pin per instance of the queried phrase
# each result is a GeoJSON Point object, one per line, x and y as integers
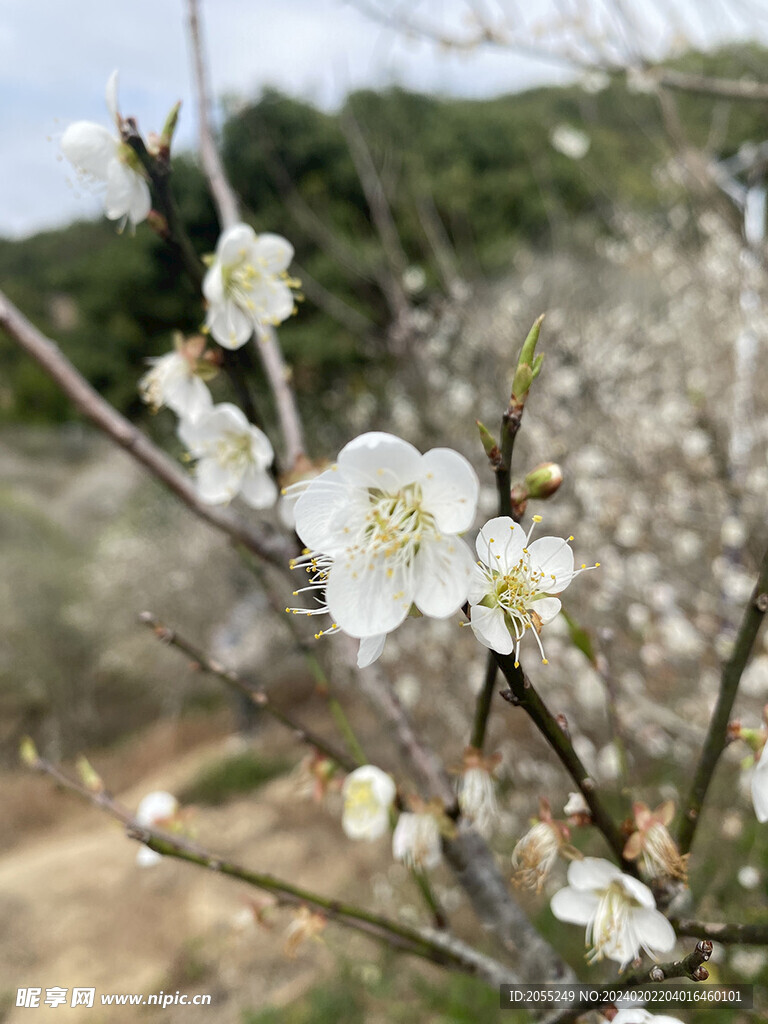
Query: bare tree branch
{"type": "Point", "coordinates": [273, 547]}
{"type": "Point", "coordinates": [221, 190]}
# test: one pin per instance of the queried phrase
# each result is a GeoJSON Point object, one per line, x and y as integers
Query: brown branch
{"type": "Point", "coordinates": [521, 693]}
{"type": "Point", "coordinates": [744, 934]}
{"type": "Point", "coordinates": [717, 734]}
{"type": "Point", "coordinates": [690, 967]}
{"type": "Point", "coordinates": [279, 377]}
{"type": "Point", "coordinates": [254, 693]}
{"type": "Point", "coordinates": [429, 944]}
{"type": "Point", "coordinates": [270, 546]}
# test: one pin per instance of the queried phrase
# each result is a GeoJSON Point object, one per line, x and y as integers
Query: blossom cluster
{"type": "Point", "coordinates": [382, 533]}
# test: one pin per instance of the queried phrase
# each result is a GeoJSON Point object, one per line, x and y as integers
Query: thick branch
{"type": "Point", "coordinates": [717, 734]}
{"type": "Point", "coordinates": [522, 694]}
{"type": "Point", "coordinates": [272, 547]}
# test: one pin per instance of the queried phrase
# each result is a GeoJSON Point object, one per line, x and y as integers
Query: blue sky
{"type": "Point", "coordinates": [56, 55]}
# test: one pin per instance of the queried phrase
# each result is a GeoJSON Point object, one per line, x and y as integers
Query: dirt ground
{"type": "Point", "coordinates": [79, 912]}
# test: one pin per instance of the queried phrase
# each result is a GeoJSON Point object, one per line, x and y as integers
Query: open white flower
{"type": "Point", "coordinates": [233, 457]}
{"type": "Point", "coordinates": [619, 912]}
{"type": "Point", "coordinates": [759, 786]}
{"type": "Point", "coordinates": [103, 157]}
{"type": "Point", "coordinates": [172, 381]}
{"type": "Point", "coordinates": [513, 584]}
{"type": "Point", "coordinates": [246, 285]}
{"type": "Point", "coordinates": [416, 840]}
{"type": "Point", "coordinates": [381, 528]}
{"type": "Point", "coordinates": [156, 810]}
{"type": "Point", "coordinates": [368, 794]}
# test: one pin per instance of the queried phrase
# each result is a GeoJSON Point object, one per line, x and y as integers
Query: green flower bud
{"type": "Point", "coordinates": [544, 480]}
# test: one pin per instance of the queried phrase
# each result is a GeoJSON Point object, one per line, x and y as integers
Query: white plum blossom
{"type": "Point", "coordinates": [416, 840]}
{"type": "Point", "coordinates": [619, 912]}
{"type": "Point", "coordinates": [103, 157]}
{"type": "Point", "coordinates": [368, 794]}
{"type": "Point", "coordinates": [759, 786]}
{"type": "Point", "coordinates": [233, 457]}
{"type": "Point", "coordinates": [535, 854]}
{"type": "Point", "coordinates": [246, 285]}
{"type": "Point", "coordinates": [514, 584]}
{"type": "Point", "coordinates": [381, 528]}
{"type": "Point", "coordinates": [155, 810]}
{"type": "Point", "coordinates": [173, 382]}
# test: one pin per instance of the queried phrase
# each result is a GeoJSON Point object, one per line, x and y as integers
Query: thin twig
{"type": "Point", "coordinates": [743, 934]}
{"type": "Point", "coordinates": [717, 734]}
{"type": "Point", "coordinates": [446, 950]}
{"type": "Point", "coordinates": [273, 547]}
{"type": "Point", "coordinates": [254, 693]}
{"type": "Point", "coordinates": [483, 705]}
{"type": "Point", "coordinates": [222, 192]}
{"type": "Point", "coordinates": [690, 967]}
{"type": "Point", "coordinates": [522, 694]}
{"type": "Point", "coordinates": [265, 339]}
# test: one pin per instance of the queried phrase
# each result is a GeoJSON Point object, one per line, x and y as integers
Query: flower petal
{"type": "Point", "coordinates": [574, 906]}
{"type": "Point", "coordinates": [370, 650]}
{"type": "Point", "coordinates": [216, 484]}
{"type": "Point", "coordinates": [593, 873]}
{"type": "Point", "coordinates": [380, 460]}
{"type": "Point", "coordinates": [322, 512]}
{"type": "Point", "coordinates": [490, 627]}
{"type": "Point", "coordinates": [127, 193]}
{"type": "Point", "coordinates": [547, 608]}
{"type": "Point", "coordinates": [187, 396]}
{"type": "Point", "coordinates": [235, 244]}
{"type": "Point", "coordinates": [500, 543]}
{"type": "Point", "coordinates": [272, 253]}
{"type": "Point", "coordinates": [479, 587]}
{"type": "Point", "coordinates": [553, 556]}
{"type": "Point", "coordinates": [450, 489]}
{"type": "Point", "coordinates": [90, 147]}
{"type": "Point", "coordinates": [229, 324]}
{"type": "Point", "coordinates": [367, 596]}
{"type": "Point", "coordinates": [442, 570]}
{"type": "Point", "coordinates": [272, 301]}
{"type": "Point", "coordinates": [257, 488]}
{"type": "Point", "coordinates": [654, 930]}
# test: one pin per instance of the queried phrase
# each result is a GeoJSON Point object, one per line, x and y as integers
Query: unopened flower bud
{"type": "Point", "coordinates": [89, 777]}
{"type": "Point", "coordinates": [528, 365]}
{"type": "Point", "coordinates": [489, 443]}
{"type": "Point", "coordinates": [416, 840]}
{"type": "Point", "coordinates": [477, 792]}
{"type": "Point", "coordinates": [544, 480]}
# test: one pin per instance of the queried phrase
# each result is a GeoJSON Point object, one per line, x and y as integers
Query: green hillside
{"type": "Point", "coordinates": [485, 171]}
